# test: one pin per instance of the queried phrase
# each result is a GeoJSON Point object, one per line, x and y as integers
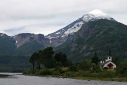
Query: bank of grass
{"type": "Point", "coordinates": [102, 79]}
{"type": "Point", "coordinates": [3, 76]}
{"type": "Point", "coordinates": [66, 72]}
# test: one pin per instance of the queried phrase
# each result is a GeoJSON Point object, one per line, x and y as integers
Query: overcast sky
{"type": "Point", "coordinates": [47, 16]}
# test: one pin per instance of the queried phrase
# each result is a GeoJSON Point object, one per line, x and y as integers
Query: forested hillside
{"type": "Point", "coordinates": [98, 36]}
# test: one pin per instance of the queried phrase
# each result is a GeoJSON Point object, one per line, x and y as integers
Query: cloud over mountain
{"type": "Point", "coordinates": [46, 16]}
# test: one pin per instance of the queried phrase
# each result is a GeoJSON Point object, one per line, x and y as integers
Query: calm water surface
{"type": "Point", "coordinates": [34, 80]}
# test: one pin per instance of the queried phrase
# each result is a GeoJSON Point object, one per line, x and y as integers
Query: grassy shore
{"type": "Point", "coordinates": [101, 79]}
{"type": "Point", "coordinates": [65, 72]}
{"type": "Point", "coordinates": [3, 76]}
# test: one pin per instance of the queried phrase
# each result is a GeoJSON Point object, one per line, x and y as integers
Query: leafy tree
{"type": "Point", "coordinates": [116, 60]}
{"type": "Point", "coordinates": [47, 55]}
{"type": "Point", "coordinates": [73, 68]}
{"type": "Point", "coordinates": [51, 63]}
{"type": "Point", "coordinates": [38, 58]}
{"type": "Point", "coordinates": [68, 63]}
{"type": "Point", "coordinates": [46, 58]}
{"type": "Point", "coordinates": [85, 65]}
{"type": "Point", "coordinates": [61, 57]}
{"type": "Point", "coordinates": [58, 64]}
{"type": "Point", "coordinates": [122, 68]}
{"type": "Point", "coordinates": [96, 68]}
{"type": "Point", "coordinates": [35, 59]}
{"type": "Point", "coordinates": [95, 59]}
{"type": "Point", "coordinates": [32, 60]}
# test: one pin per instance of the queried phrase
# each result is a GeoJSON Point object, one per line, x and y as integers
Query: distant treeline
{"type": "Point", "coordinates": [14, 63]}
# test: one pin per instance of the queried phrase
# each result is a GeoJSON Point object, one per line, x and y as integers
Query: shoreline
{"type": "Point", "coordinates": [76, 77]}
{"type": "Point", "coordinates": [101, 79]}
{"type": "Point", "coordinates": [4, 75]}
{"type": "Point", "coordinates": [83, 78]}
{"type": "Point", "coordinates": [81, 75]}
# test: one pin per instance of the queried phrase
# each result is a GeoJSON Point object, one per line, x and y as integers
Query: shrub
{"type": "Point", "coordinates": [58, 64]}
{"type": "Point", "coordinates": [105, 68]}
{"type": "Point", "coordinates": [45, 72]}
{"type": "Point", "coordinates": [58, 68]}
{"type": "Point", "coordinates": [73, 68]}
{"type": "Point", "coordinates": [56, 72]}
{"type": "Point", "coordinates": [71, 74]}
{"type": "Point", "coordinates": [29, 72]}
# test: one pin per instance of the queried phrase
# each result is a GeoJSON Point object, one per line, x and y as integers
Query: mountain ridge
{"type": "Point", "coordinates": [55, 39]}
{"type": "Point", "coordinates": [98, 36]}
{"type": "Point", "coordinates": [79, 40]}
{"type": "Point", "coordinates": [61, 35]}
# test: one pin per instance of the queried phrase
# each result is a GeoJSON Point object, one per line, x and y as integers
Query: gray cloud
{"type": "Point", "coordinates": [47, 16]}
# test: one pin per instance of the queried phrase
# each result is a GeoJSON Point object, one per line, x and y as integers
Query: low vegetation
{"type": "Point", "coordinates": [48, 63]}
{"type": "Point", "coordinates": [3, 76]}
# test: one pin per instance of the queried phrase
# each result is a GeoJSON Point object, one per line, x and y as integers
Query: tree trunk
{"type": "Point", "coordinates": [33, 66]}
{"type": "Point", "coordinates": [39, 67]}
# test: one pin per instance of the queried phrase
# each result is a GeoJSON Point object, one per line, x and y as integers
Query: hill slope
{"type": "Point", "coordinates": [60, 36]}
{"type": "Point", "coordinates": [7, 45]}
{"type": "Point", "coordinates": [98, 36]}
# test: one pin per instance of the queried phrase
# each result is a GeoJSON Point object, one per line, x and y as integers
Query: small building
{"type": "Point", "coordinates": [107, 63]}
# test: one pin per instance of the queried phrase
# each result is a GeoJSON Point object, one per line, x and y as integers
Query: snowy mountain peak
{"type": "Point", "coordinates": [61, 35]}
{"type": "Point", "coordinates": [95, 15]}
{"type": "Point", "coordinates": [98, 12]}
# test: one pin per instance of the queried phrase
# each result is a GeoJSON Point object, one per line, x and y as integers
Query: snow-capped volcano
{"type": "Point", "coordinates": [98, 12]}
{"type": "Point", "coordinates": [61, 35]}
{"type": "Point", "coordinates": [95, 15]}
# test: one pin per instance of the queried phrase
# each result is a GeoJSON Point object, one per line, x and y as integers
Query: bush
{"type": "Point", "coordinates": [85, 65]}
{"type": "Point", "coordinates": [58, 64]}
{"type": "Point", "coordinates": [56, 72]}
{"type": "Point", "coordinates": [71, 74]}
{"type": "Point", "coordinates": [96, 68]}
{"type": "Point", "coordinates": [73, 68]}
{"type": "Point", "coordinates": [45, 72]}
{"type": "Point", "coordinates": [29, 72]}
{"type": "Point", "coordinates": [105, 68]}
{"type": "Point", "coordinates": [122, 69]}
{"type": "Point", "coordinates": [58, 68]}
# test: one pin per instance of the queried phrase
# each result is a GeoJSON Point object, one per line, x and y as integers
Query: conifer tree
{"type": "Point", "coordinates": [95, 59]}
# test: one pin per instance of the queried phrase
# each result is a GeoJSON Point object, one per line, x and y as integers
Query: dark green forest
{"type": "Point", "coordinates": [98, 36]}
{"type": "Point", "coordinates": [14, 63]}
{"type": "Point", "coordinates": [95, 36]}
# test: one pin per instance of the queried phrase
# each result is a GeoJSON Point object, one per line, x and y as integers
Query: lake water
{"type": "Point", "coordinates": [34, 80]}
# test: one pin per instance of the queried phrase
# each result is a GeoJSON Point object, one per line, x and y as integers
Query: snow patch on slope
{"type": "Point", "coordinates": [75, 28]}
{"type": "Point", "coordinates": [91, 16]}
{"type": "Point", "coordinates": [51, 37]}
{"type": "Point", "coordinates": [58, 33]}
{"type": "Point", "coordinates": [16, 42]}
{"type": "Point", "coordinates": [2, 34]}
{"type": "Point", "coordinates": [50, 41]}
